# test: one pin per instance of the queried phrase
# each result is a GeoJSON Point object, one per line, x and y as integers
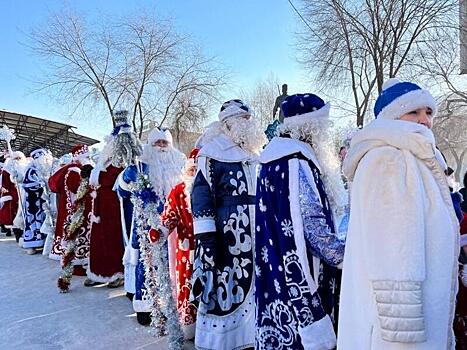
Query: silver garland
{"type": "Point", "coordinates": [164, 314]}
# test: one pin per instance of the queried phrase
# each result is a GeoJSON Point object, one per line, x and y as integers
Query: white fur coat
{"type": "Point", "coordinates": [400, 267]}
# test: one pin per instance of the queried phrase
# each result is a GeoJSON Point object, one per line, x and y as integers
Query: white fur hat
{"type": "Point", "coordinates": [160, 134]}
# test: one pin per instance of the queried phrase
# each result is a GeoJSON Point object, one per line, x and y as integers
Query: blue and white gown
{"type": "Point", "coordinates": [296, 248]}
{"type": "Point", "coordinates": [223, 198]}
{"type": "Point", "coordinates": [34, 214]}
{"type": "Point", "coordinates": [134, 267]}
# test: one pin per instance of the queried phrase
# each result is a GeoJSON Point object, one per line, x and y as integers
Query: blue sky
{"type": "Point", "coordinates": [253, 38]}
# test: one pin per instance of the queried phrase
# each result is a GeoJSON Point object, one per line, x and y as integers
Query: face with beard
{"type": "Point", "coordinates": [165, 166]}
{"type": "Point", "coordinates": [44, 164]}
{"type": "Point", "coordinates": [246, 132]}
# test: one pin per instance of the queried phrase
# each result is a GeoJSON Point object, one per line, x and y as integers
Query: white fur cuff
{"type": "Point", "coordinates": [204, 225]}
{"type": "Point", "coordinates": [6, 199]}
{"type": "Point", "coordinates": [319, 335]}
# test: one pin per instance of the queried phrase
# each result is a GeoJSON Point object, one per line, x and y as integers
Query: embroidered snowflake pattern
{"type": "Point", "coordinates": [305, 301]}
{"type": "Point", "coordinates": [287, 228]}
{"type": "Point", "coordinates": [277, 286]}
{"type": "Point", "coordinates": [262, 207]}
{"type": "Point", "coordinates": [315, 301]}
{"type": "Point", "coordinates": [258, 271]}
{"type": "Point", "coordinates": [294, 291]}
{"type": "Point", "coordinates": [264, 254]}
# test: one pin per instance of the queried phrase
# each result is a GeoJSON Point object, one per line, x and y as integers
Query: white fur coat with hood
{"type": "Point", "coordinates": [400, 266]}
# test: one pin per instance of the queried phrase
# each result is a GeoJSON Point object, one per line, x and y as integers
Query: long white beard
{"type": "Point", "coordinates": [44, 166]}
{"type": "Point", "coordinates": [17, 167]}
{"type": "Point", "coordinates": [317, 133]}
{"type": "Point", "coordinates": [246, 133]}
{"type": "Point", "coordinates": [165, 168]}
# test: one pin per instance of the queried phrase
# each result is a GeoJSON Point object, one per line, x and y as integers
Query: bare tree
{"type": "Point", "coordinates": [140, 62]}
{"type": "Point", "coordinates": [353, 46]}
{"type": "Point", "coordinates": [261, 98]}
{"type": "Point", "coordinates": [450, 130]}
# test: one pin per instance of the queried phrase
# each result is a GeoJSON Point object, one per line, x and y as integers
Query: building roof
{"type": "Point", "coordinates": [33, 132]}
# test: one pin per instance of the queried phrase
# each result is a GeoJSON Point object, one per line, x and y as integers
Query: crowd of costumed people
{"type": "Point", "coordinates": [264, 240]}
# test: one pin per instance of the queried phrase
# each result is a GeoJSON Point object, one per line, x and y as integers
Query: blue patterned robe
{"type": "Point", "coordinates": [34, 214]}
{"type": "Point", "coordinates": [294, 290]}
{"type": "Point", "coordinates": [126, 210]}
{"type": "Point", "coordinates": [131, 258]}
{"type": "Point", "coordinates": [223, 200]}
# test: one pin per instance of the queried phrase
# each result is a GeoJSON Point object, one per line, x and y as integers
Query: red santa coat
{"type": "Point", "coordinates": [8, 199]}
{"type": "Point", "coordinates": [65, 183]}
{"type": "Point", "coordinates": [106, 239]}
{"type": "Point", "coordinates": [177, 217]}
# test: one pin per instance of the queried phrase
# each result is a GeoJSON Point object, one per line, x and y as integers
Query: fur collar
{"type": "Point", "coordinates": [222, 148]}
{"type": "Point", "coordinates": [281, 147]}
{"type": "Point", "coordinates": [400, 134]}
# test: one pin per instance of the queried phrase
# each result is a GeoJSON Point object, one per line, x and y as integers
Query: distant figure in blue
{"type": "Point", "coordinates": [162, 165]}
{"type": "Point", "coordinates": [223, 204]}
{"type": "Point", "coordinates": [300, 197]}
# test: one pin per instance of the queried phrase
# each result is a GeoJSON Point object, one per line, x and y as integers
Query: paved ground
{"type": "Point", "coordinates": [34, 315]}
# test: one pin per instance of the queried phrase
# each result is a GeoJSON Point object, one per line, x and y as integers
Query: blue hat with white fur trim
{"type": "Point", "coordinates": [300, 108]}
{"type": "Point", "coordinates": [398, 98]}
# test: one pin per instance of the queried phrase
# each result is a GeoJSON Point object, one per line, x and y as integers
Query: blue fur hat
{"type": "Point", "coordinates": [398, 98]}
{"type": "Point", "coordinates": [301, 108]}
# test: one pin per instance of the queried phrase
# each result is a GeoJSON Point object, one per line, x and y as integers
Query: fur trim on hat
{"type": "Point", "coordinates": [409, 102]}
{"type": "Point", "coordinates": [322, 113]}
{"type": "Point", "coordinates": [159, 134]}
{"type": "Point", "coordinates": [233, 108]}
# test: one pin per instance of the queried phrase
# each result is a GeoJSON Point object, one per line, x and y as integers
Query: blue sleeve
{"type": "Point", "coordinates": [124, 180]}
{"type": "Point", "coordinates": [323, 242]}
{"type": "Point", "coordinates": [203, 205]}
{"type": "Point", "coordinates": [456, 202]}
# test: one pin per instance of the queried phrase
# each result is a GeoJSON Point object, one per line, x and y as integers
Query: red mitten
{"type": "Point", "coordinates": [154, 235]}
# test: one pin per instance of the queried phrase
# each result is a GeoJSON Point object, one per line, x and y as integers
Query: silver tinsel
{"type": "Point", "coordinates": [164, 314]}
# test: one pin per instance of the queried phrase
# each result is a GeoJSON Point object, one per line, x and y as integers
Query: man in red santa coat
{"type": "Point", "coordinates": [8, 200]}
{"type": "Point", "coordinates": [178, 219]}
{"type": "Point", "coordinates": [106, 240]}
{"type": "Point", "coordinates": [65, 183]}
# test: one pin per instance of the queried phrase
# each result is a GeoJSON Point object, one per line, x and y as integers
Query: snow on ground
{"type": "Point", "coordinates": [34, 315]}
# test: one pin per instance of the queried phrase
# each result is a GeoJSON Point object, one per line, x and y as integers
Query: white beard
{"type": "Point", "coordinates": [43, 165]}
{"type": "Point", "coordinates": [246, 133]}
{"type": "Point", "coordinates": [317, 134]}
{"type": "Point", "coordinates": [165, 168]}
{"type": "Point", "coordinates": [188, 180]}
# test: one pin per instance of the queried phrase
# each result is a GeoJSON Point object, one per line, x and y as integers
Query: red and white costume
{"type": "Point", "coordinates": [106, 239]}
{"type": "Point", "coordinates": [65, 182]}
{"type": "Point", "coordinates": [177, 217]}
{"type": "Point", "coordinates": [8, 198]}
